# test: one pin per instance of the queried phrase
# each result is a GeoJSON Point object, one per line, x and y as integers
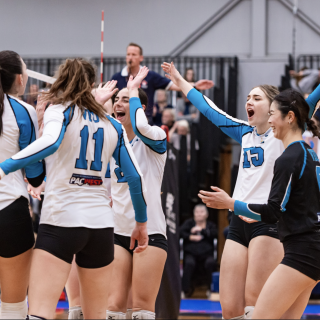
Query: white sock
{"type": "Point", "coordinates": [248, 311]}
{"type": "Point", "coordinates": [239, 317]}
{"type": "Point", "coordinates": [75, 313]}
{"type": "Point", "coordinates": [115, 315]}
{"type": "Point", "coordinates": [143, 314]}
{"type": "Point", "coordinates": [34, 318]}
{"type": "Point", "coordinates": [17, 310]}
{"type": "Point", "coordinates": [129, 314]}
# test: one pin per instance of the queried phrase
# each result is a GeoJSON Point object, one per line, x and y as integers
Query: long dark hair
{"type": "Point", "coordinates": [291, 100]}
{"type": "Point", "coordinates": [10, 66]}
{"type": "Point", "coordinates": [74, 85]}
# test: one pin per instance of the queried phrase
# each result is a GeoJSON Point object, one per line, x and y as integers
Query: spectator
{"type": "Point", "coordinates": [197, 234]}
{"type": "Point", "coordinates": [304, 80]}
{"type": "Point", "coordinates": [186, 110]}
{"type": "Point", "coordinates": [161, 104]}
{"type": "Point", "coordinates": [153, 80]}
{"type": "Point", "coordinates": [182, 128]}
{"type": "Point", "coordinates": [189, 75]}
{"type": "Point", "coordinates": [168, 118]}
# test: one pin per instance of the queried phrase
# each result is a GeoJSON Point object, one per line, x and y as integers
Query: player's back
{"type": "Point", "coordinates": [18, 116]}
{"type": "Point", "coordinates": [75, 194]}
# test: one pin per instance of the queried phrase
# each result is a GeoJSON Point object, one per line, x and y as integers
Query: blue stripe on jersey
{"type": "Point", "coordinates": [318, 175]}
{"type": "Point", "coordinates": [108, 174]}
{"type": "Point", "coordinates": [304, 159]}
{"type": "Point", "coordinates": [242, 209]}
{"type": "Point", "coordinates": [286, 196]}
{"type": "Point", "coordinates": [124, 161]}
{"type": "Point", "coordinates": [159, 146]}
{"type": "Point", "coordinates": [27, 134]}
{"type": "Point", "coordinates": [313, 99]}
{"type": "Point", "coordinates": [11, 165]}
{"type": "Point", "coordinates": [313, 155]}
{"type": "Point", "coordinates": [232, 127]}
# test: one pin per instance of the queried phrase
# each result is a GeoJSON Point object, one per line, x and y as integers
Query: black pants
{"type": "Point", "coordinates": [204, 263]}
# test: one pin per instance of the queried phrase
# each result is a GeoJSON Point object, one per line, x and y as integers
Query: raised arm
{"type": "Point", "coordinates": [152, 136]}
{"type": "Point", "coordinates": [127, 162]}
{"type": "Point", "coordinates": [55, 123]}
{"type": "Point", "coordinates": [313, 100]}
{"type": "Point", "coordinates": [234, 128]}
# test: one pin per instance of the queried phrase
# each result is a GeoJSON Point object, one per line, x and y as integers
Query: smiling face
{"type": "Point", "coordinates": [257, 107]}
{"type": "Point", "coordinates": [280, 125]}
{"type": "Point", "coordinates": [121, 108]}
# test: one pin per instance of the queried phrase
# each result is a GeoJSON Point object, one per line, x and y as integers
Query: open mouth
{"type": "Point", "coordinates": [120, 115]}
{"type": "Point", "coordinates": [250, 113]}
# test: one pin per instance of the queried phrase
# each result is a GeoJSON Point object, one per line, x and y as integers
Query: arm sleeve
{"type": "Point", "coordinates": [127, 162]}
{"type": "Point", "coordinates": [232, 127]}
{"type": "Point", "coordinates": [313, 99]}
{"type": "Point", "coordinates": [153, 136]}
{"type": "Point", "coordinates": [284, 173]}
{"type": "Point", "coordinates": [53, 133]}
{"type": "Point", "coordinates": [28, 127]}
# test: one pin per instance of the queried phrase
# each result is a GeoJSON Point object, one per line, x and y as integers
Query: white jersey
{"type": "Point", "coordinates": [149, 147]}
{"type": "Point", "coordinates": [258, 152]}
{"type": "Point", "coordinates": [78, 149]}
{"type": "Point", "coordinates": [20, 128]}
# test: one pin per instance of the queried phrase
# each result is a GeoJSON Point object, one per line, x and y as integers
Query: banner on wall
{"type": "Point", "coordinates": [168, 300]}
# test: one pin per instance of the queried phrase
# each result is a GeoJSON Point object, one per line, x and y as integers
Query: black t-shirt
{"type": "Point", "coordinates": [294, 200]}
{"type": "Point", "coordinates": [202, 247]}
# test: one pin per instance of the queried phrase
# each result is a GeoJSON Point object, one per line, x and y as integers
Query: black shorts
{"type": "Point", "coordinates": [155, 240]}
{"type": "Point", "coordinates": [93, 247]}
{"type": "Point", "coordinates": [302, 252]}
{"type": "Point", "coordinates": [243, 232]}
{"type": "Point", "coordinates": [16, 232]}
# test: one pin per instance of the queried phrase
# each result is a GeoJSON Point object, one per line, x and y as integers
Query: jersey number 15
{"type": "Point", "coordinates": [82, 162]}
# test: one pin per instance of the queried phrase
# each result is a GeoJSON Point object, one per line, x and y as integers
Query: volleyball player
{"type": "Point", "coordinates": [18, 128]}
{"type": "Point", "coordinates": [78, 141]}
{"type": "Point", "coordinates": [252, 251]}
{"type": "Point", "coordinates": [141, 272]}
{"type": "Point", "coordinates": [294, 202]}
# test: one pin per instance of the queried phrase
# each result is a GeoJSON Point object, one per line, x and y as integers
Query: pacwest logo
{"type": "Point", "coordinates": [81, 180]}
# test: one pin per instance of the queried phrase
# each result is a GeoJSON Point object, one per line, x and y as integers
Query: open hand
{"type": "Point", "coordinates": [36, 192]}
{"type": "Point", "coordinates": [204, 84]}
{"type": "Point", "coordinates": [217, 200]}
{"type": "Point", "coordinates": [171, 72]}
{"type": "Point", "coordinates": [134, 83]}
{"type": "Point", "coordinates": [139, 233]}
{"type": "Point", "coordinates": [103, 93]}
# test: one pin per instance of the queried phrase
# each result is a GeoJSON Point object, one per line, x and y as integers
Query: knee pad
{"type": "Point", "coordinates": [129, 314]}
{"type": "Point", "coordinates": [35, 318]}
{"type": "Point", "coordinates": [240, 317]}
{"type": "Point", "coordinates": [75, 313]}
{"type": "Point", "coordinates": [14, 310]}
{"type": "Point", "coordinates": [115, 315]}
{"type": "Point", "coordinates": [143, 314]}
{"type": "Point", "coordinates": [248, 311]}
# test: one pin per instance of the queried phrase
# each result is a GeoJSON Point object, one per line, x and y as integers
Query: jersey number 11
{"type": "Point", "coordinates": [82, 162]}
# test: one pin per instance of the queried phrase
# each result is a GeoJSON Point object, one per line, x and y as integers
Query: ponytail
{"type": "Point", "coordinates": [312, 126]}
{"type": "Point", "coordinates": [10, 66]}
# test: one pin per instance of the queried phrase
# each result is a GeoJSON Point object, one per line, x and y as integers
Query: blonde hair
{"type": "Point", "coordinates": [184, 124]}
{"type": "Point", "coordinates": [74, 85]}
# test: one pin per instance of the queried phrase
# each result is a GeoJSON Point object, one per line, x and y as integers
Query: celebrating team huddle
{"type": "Point", "coordinates": [102, 231]}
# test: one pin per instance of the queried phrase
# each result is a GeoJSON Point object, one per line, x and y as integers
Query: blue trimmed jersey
{"type": "Point", "coordinates": [77, 148]}
{"type": "Point", "coordinates": [20, 128]}
{"type": "Point", "coordinates": [294, 200]}
{"type": "Point", "coordinates": [150, 149]}
{"type": "Point", "coordinates": [258, 152]}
